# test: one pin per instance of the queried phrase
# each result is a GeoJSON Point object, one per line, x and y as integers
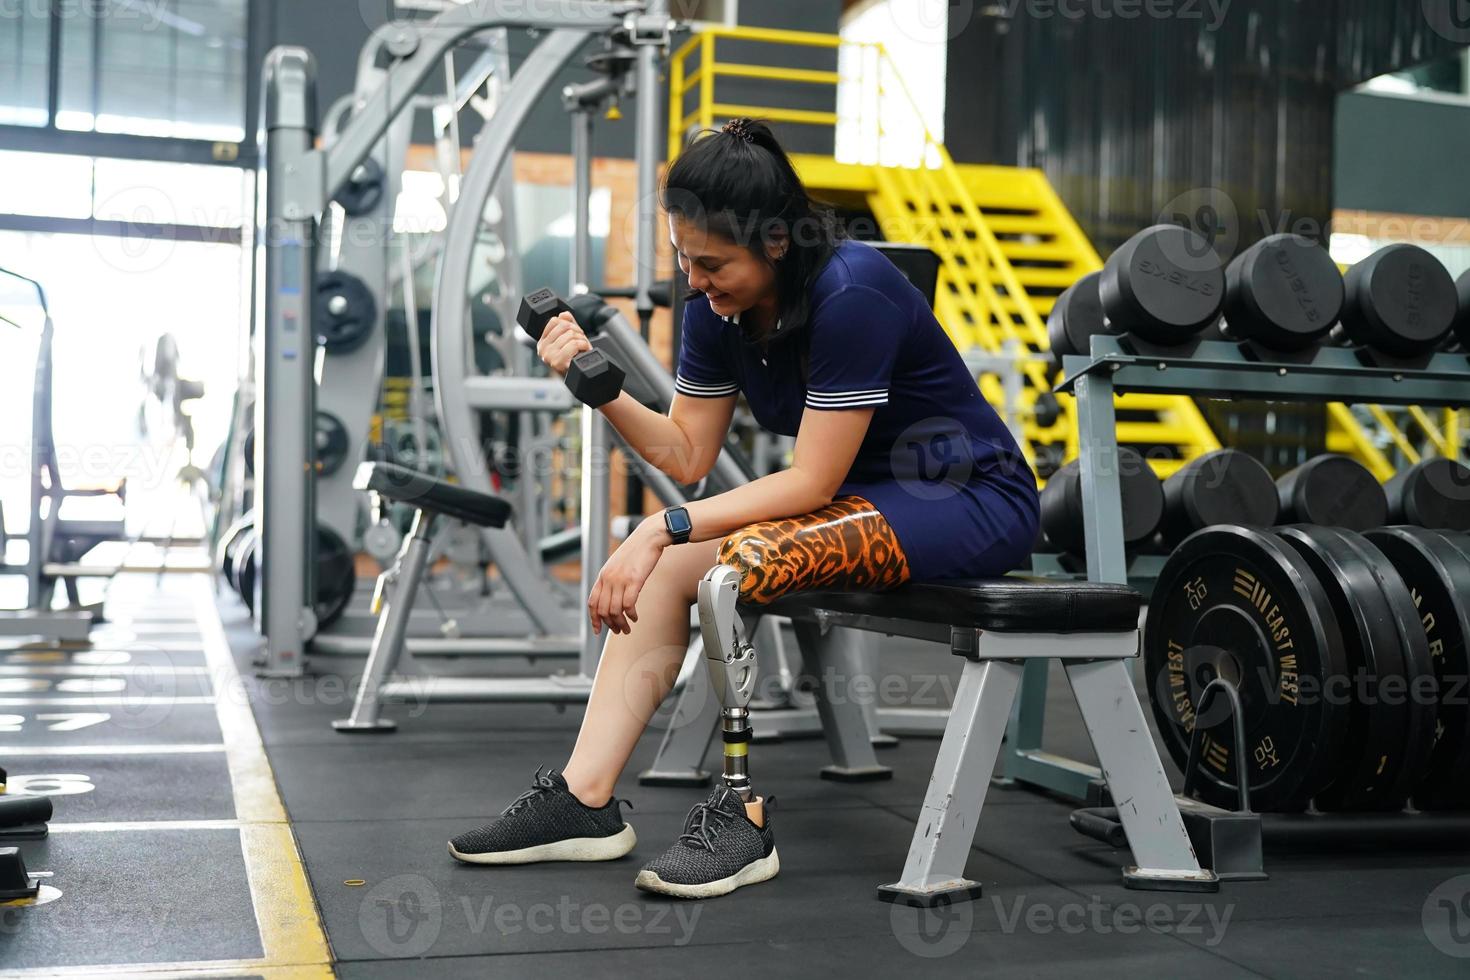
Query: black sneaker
{"type": "Point", "coordinates": [548, 823]}
{"type": "Point", "coordinates": [719, 851]}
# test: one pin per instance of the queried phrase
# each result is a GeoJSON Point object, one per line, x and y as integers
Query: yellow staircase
{"type": "Point", "coordinates": [1008, 247]}
{"type": "Point", "coordinates": [1006, 243]}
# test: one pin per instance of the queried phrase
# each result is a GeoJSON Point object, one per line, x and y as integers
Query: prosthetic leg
{"type": "Point", "coordinates": [731, 661]}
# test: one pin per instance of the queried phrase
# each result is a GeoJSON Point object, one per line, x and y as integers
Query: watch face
{"type": "Point", "coordinates": [678, 521]}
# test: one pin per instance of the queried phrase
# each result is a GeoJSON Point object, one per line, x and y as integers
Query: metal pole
{"type": "Point", "coordinates": [648, 151]}
{"type": "Point", "coordinates": [596, 490]}
{"type": "Point", "coordinates": [285, 410]}
{"type": "Point", "coordinates": [581, 273]}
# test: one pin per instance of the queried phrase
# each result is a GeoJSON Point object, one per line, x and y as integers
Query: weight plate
{"type": "Point", "coordinates": [1399, 300]}
{"type": "Point", "coordinates": [1164, 285]}
{"type": "Point", "coordinates": [1284, 291]}
{"type": "Point", "coordinates": [364, 190]}
{"type": "Point", "coordinates": [1434, 493]}
{"type": "Point", "coordinates": [245, 568]}
{"type": "Point", "coordinates": [1223, 487]}
{"type": "Point", "coordinates": [1388, 688]}
{"type": "Point", "coordinates": [229, 545]}
{"type": "Point", "coordinates": [1333, 491]}
{"type": "Point", "coordinates": [1438, 576]}
{"type": "Point", "coordinates": [1237, 602]}
{"type": "Point", "coordinates": [336, 576]}
{"type": "Point", "coordinates": [332, 443]}
{"type": "Point", "coordinates": [345, 313]}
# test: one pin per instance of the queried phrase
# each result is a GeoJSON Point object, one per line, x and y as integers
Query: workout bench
{"type": "Point", "coordinates": [997, 625]}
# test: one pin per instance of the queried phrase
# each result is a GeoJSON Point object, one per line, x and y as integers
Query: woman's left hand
{"type": "Point", "coordinates": [614, 597]}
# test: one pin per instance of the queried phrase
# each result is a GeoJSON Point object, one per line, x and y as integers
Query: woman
{"type": "Point", "coordinates": [901, 472]}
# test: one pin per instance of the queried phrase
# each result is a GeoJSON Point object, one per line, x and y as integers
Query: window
{"type": "Point", "coordinates": [25, 61]}
{"type": "Point", "coordinates": [53, 185]}
{"type": "Point", "coordinates": [175, 69]}
{"type": "Point", "coordinates": [170, 68]}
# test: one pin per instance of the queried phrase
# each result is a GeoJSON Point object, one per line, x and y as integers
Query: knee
{"type": "Point", "coordinates": [755, 553]}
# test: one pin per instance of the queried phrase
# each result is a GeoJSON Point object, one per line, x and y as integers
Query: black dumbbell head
{"type": "Point", "coordinates": [1462, 316]}
{"type": "Point", "coordinates": [1399, 300]}
{"type": "Point", "coordinates": [593, 379]}
{"type": "Point", "coordinates": [1284, 292]}
{"type": "Point", "coordinates": [538, 309]}
{"type": "Point", "coordinates": [1334, 491]}
{"type": "Point", "coordinates": [1163, 285]}
{"type": "Point", "coordinates": [1074, 318]}
{"type": "Point", "coordinates": [1222, 487]}
{"type": "Point", "coordinates": [1142, 499]}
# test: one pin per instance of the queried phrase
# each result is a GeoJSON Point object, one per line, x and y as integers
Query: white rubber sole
{"type": "Point", "coordinates": [571, 849]}
{"type": "Point", "coordinates": [756, 871]}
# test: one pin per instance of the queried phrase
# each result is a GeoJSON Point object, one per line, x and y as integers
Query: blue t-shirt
{"type": "Point", "coordinates": [936, 461]}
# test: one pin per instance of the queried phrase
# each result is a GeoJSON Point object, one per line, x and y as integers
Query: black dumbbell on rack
{"type": "Point", "coordinates": [1163, 286]}
{"type": "Point", "coordinates": [593, 378]}
{"type": "Point", "coordinates": [1399, 301]}
{"type": "Point", "coordinates": [1284, 293]}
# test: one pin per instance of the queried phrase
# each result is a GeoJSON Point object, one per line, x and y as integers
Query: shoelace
{"type": "Point", "coordinates": [704, 825]}
{"type": "Point", "coordinates": [539, 784]}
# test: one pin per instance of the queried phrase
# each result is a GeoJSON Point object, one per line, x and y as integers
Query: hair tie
{"type": "Point", "coordinates": [739, 128]}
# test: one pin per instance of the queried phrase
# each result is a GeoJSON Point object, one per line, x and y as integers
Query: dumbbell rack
{"type": "Point", "coordinates": [1202, 369]}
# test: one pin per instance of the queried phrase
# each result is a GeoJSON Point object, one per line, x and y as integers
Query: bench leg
{"type": "Point", "coordinates": [836, 657]}
{"type": "Point", "coordinates": [934, 873]}
{"type": "Point", "coordinates": [696, 716]}
{"type": "Point", "coordinates": [392, 629]}
{"type": "Point", "coordinates": [1136, 779]}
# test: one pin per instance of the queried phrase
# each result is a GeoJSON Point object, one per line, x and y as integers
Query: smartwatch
{"type": "Point", "coordinates": [676, 520]}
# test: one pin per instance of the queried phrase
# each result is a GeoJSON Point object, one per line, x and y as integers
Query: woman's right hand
{"type": "Point", "coordinates": [561, 341]}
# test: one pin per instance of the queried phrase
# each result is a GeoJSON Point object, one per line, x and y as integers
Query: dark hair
{"type": "Point", "coordinates": [739, 183]}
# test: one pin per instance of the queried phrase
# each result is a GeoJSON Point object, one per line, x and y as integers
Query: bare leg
{"type": "Point", "coordinates": [636, 672]}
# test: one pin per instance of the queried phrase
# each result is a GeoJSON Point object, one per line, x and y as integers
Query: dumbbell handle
{"type": "Point", "coordinates": [537, 310]}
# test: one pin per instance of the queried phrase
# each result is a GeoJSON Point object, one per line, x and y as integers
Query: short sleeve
{"type": "Point", "coordinates": [856, 335]}
{"type": "Point", "coordinates": [703, 372]}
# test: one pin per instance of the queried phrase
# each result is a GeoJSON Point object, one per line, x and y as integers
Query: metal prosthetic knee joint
{"type": "Point", "coordinates": [731, 662]}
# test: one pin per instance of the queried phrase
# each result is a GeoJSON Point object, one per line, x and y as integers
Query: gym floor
{"type": "Point", "coordinates": [181, 841]}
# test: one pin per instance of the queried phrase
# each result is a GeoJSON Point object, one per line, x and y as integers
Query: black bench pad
{"type": "Point", "coordinates": [426, 493]}
{"type": "Point", "coordinates": [1003, 605]}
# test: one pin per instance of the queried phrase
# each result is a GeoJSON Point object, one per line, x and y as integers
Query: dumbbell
{"type": "Point", "coordinates": [1433, 494]}
{"type": "Point", "coordinates": [1462, 315]}
{"type": "Point", "coordinates": [1400, 301]}
{"type": "Point", "coordinates": [1333, 491]}
{"type": "Point", "coordinates": [1284, 292]}
{"type": "Point", "coordinates": [1223, 487]}
{"type": "Point", "coordinates": [1061, 503]}
{"type": "Point", "coordinates": [593, 378]}
{"type": "Point", "coordinates": [1164, 285]}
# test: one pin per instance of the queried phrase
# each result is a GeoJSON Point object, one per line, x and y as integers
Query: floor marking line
{"type": "Point", "coordinates": [162, 749]}
{"type": "Point", "coordinates": [99, 670]}
{"type": "Point", "coordinates": [286, 912]}
{"type": "Point", "coordinates": [104, 702]}
{"type": "Point", "coordinates": [149, 826]}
